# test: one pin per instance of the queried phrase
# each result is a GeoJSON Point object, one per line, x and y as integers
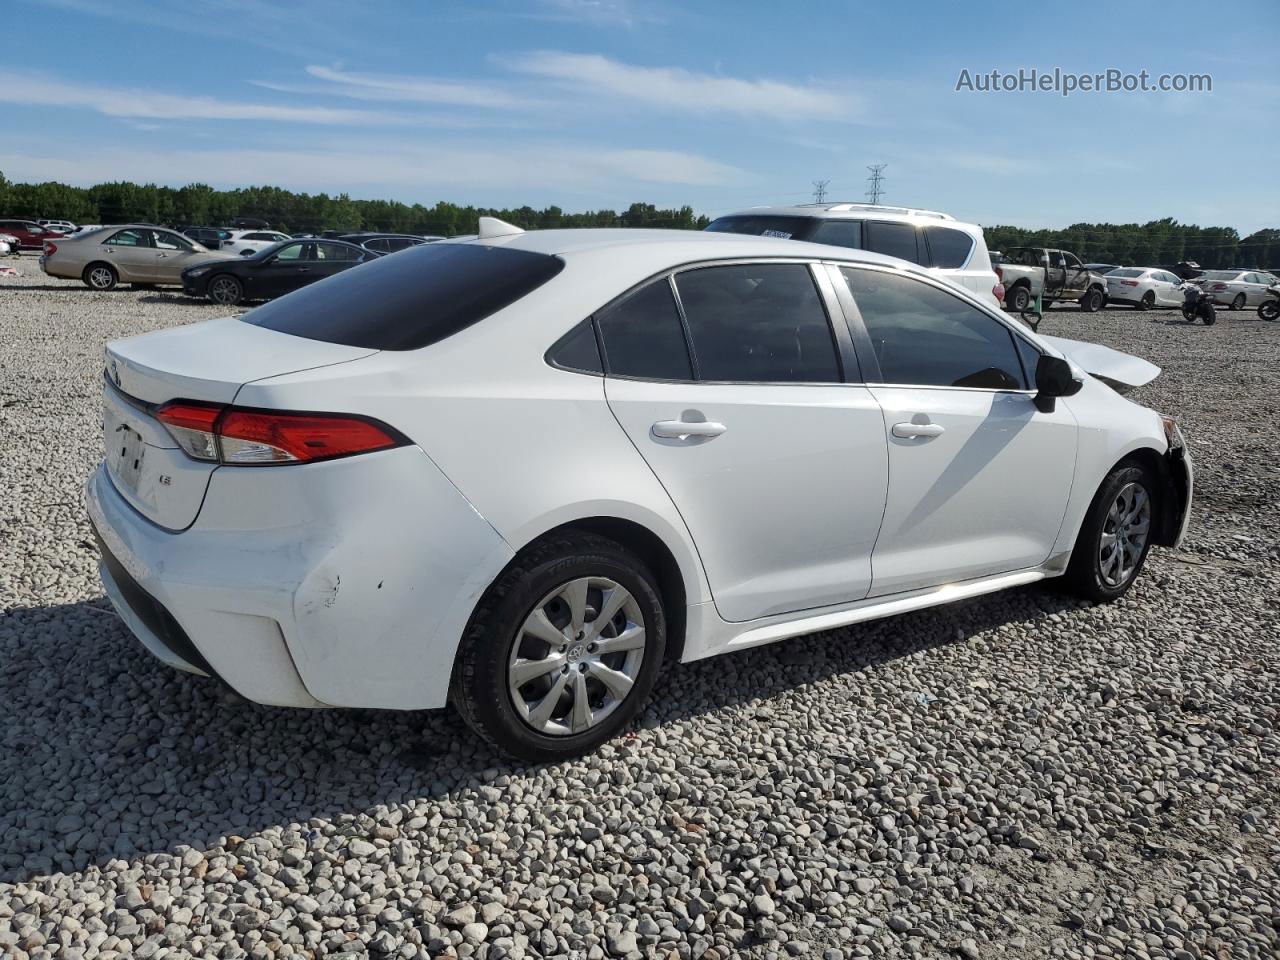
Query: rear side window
{"type": "Point", "coordinates": [577, 350]}
{"type": "Point", "coordinates": [758, 323]}
{"type": "Point", "coordinates": [643, 336]}
{"type": "Point", "coordinates": [949, 248]}
{"type": "Point", "coordinates": [923, 336]}
{"type": "Point", "coordinates": [892, 239]}
{"type": "Point", "coordinates": [409, 301]}
{"type": "Point", "coordinates": [838, 233]}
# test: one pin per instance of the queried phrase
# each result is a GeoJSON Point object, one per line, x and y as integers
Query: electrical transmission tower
{"type": "Point", "coordinates": [820, 190]}
{"type": "Point", "coordinates": [876, 189]}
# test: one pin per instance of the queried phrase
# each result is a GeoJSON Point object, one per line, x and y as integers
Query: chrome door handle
{"type": "Point", "coordinates": [684, 429]}
{"type": "Point", "coordinates": [161, 256]}
{"type": "Point", "coordinates": [908, 431]}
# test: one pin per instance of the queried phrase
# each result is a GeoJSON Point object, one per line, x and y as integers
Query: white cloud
{"type": "Point", "coordinates": [149, 105]}
{"type": "Point", "coordinates": [681, 89]}
{"type": "Point", "coordinates": [410, 170]}
{"type": "Point", "coordinates": [605, 13]}
{"type": "Point", "coordinates": [391, 87]}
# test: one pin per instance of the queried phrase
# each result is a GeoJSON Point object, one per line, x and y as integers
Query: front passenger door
{"type": "Point", "coordinates": [131, 253]}
{"type": "Point", "coordinates": [978, 477]}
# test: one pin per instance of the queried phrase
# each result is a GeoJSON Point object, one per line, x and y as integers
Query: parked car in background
{"type": "Point", "coordinates": [85, 228]}
{"type": "Point", "coordinates": [386, 242]}
{"type": "Point", "coordinates": [955, 250]}
{"type": "Point", "coordinates": [1027, 272]}
{"type": "Point", "coordinates": [59, 226]}
{"type": "Point", "coordinates": [29, 234]}
{"type": "Point", "coordinates": [272, 272]}
{"type": "Point", "coordinates": [897, 444]}
{"type": "Point", "coordinates": [251, 241]}
{"type": "Point", "coordinates": [137, 254]}
{"type": "Point", "coordinates": [1235, 289]}
{"type": "Point", "coordinates": [1144, 287]}
{"type": "Point", "coordinates": [210, 237]}
{"type": "Point", "coordinates": [1101, 268]}
{"type": "Point", "coordinates": [8, 244]}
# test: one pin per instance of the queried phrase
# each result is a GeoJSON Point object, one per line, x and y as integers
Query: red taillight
{"type": "Point", "coordinates": [998, 291]}
{"type": "Point", "coordinates": [50, 248]}
{"type": "Point", "coordinates": [235, 436]}
{"type": "Point", "coordinates": [1219, 286]}
{"type": "Point", "coordinates": [1128, 283]}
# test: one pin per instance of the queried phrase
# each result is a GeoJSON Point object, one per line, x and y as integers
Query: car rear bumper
{"type": "Point", "coordinates": [345, 583]}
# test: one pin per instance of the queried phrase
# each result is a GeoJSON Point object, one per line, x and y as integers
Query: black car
{"type": "Point", "coordinates": [210, 237]}
{"type": "Point", "coordinates": [272, 272]}
{"type": "Point", "coordinates": [385, 242]}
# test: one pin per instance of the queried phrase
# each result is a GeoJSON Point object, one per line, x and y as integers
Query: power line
{"type": "Point", "coordinates": [820, 190]}
{"type": "Point", "coordinates": [875, 191]}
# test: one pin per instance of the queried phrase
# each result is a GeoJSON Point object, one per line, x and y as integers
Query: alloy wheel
{"type": "Point", "coordinates": [100, 278]}
{"type": "Point", "coordinates": [225, 291]}
{"type": "Point", "coordinates": [576, 656]}
{"type": "Point", "coordinates": [1124, 534]}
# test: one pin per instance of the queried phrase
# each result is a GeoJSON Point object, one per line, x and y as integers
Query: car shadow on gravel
{"type": "Point", "coordinates": [105, 753]}
{"type": "Point", "coordinates": [176, 299]}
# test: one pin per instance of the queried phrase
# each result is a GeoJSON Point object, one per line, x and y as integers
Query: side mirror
{"type": "Point", "coordinates": [1053, 379]}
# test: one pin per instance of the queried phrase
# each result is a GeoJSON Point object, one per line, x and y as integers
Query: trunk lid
{"type": "Point", "coordinates": [208, 361]}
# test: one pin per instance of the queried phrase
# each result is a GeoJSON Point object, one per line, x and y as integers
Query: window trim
{"type": "Point", "coordinates": [866, 352]}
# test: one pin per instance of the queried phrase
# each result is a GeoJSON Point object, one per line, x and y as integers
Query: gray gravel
{"type": "Point", "coordinates": [1019, 776]}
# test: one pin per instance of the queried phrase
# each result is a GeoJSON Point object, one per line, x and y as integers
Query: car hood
{"type": "Point", "coordinates": [1120, 371]}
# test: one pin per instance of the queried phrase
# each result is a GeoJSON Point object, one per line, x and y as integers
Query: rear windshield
{"type": "Point", "coordinates": [1219, 275]}
{"type": "Point", "coordinates": [788, 228]}
{"type": "Point", "coordinates": [411, 300]}
{"type": "Point", "coordinates": [1126, 272]}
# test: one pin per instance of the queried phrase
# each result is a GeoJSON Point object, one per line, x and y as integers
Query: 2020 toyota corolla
{"type": "Point", "coordinates": [519, 472]}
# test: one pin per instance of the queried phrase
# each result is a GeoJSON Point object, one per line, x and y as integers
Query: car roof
{"type": "Point", "coordinates": [661, 249]}
{"type": "Point", "coordinates": [842, 210]}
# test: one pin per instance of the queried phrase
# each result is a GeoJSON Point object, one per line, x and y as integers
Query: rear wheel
{"type": "Point", "coordinates": [100, 276]}
{"type": "Point", "coordinates": [1147, 302]}
{"type": "Point", "coordinates": [1238, 302]}
{"type": "Point", "coordinates": [1115, 537]}
{"type": "Point", "coordinates": [563, 649]}
{"type": "Point", "coordinates": [1091, 302]}
{"type": "Point", "coordinates": [1018, 299]}
{"type": "Point", "coordinates": [225, 290]}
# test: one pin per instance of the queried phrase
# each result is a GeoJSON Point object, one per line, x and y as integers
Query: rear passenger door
{"type": "Point", "coordinates": [730, 381]}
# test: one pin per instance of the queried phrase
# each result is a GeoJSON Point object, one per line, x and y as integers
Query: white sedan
{"type": "Point", "coordinates": [520, 472]}
{"type": "Point", "coordinates": [251, 241]}
{"type": "Point", "coordinates": [1144, 287]}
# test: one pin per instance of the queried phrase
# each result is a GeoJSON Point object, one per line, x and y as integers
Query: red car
{"type": "Point", "coordinates": [31, 236]}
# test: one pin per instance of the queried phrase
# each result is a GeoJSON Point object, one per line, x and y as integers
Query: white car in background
{"type": "Point", "coordinates": [251, 241]}
{"type": "Point", "coordinates": [1236, 289]}
{"type": "Point", "coordinates": [519, 473]}
{"type": "Point", "coordinates": [1144, 287]}
{"type": "Point", "coordinates": [951, 248]}
{"type": "Point", "coordinates": [58, 226]}
{"type": "Point", "coordinates": [8, 244]}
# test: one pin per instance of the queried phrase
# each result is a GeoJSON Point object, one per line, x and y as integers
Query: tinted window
{"type": "Point", "coordinates": [578, 350]}
{"type": "Point", "coordinates": [336, 251]}
{"type": "Point", "coordinates": [643, 337]}
{"type": "Point", "coordinates": [788, 228]}
{"type": "Point", "coordinates": [129, 238]}
{"type": "Point", "coordinates": [949, 248]}
{"type": "Point", "coordinates": [291, 251]}
{"type": "Point", "coordinates": [923, 335]}
{"type": "Point", "coordinates": [1126, 272]}
{"type": "Point", "coordinates": [892, 239]}
{"type": "Point", "coordinates": [409, 301]}
{"type": "Point", "coordinates": [169, 241]}
{"type": "Point", "coordinates": [761, 323]}
{"type": "Point", "coordinates": [1030, 358]}
{"type": "Point", "coordinates": [381, 246]}
{"type": "Point", "coordinates": [838, 233]}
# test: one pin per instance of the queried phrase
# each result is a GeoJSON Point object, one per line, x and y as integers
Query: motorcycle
{"type": "Point", "coordinates": [1269, 308]}
{"type": "Point", "coordinates": [1197, 305]}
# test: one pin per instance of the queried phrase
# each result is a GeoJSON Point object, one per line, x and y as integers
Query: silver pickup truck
{"type": "Point", "coordinates": [1054, 274]}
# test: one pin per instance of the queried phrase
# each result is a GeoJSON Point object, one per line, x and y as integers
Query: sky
{"type": "Point", "coordinates": [592, 104]}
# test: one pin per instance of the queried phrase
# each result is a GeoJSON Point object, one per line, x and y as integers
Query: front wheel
{"type": "Point", "coordinates": [225, 290]}
{"type": "Point", "coordinates": [1115, 537]}
{"type": "Point", "coordinates": [1091, 302]}
{"type": "Point", "coordinates": [1269, 310]}
{"type": "Point", "coordinates": [562, 650]}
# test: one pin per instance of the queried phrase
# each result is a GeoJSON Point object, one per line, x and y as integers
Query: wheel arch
{"type": "Point", "coordinates": [1173, 486]}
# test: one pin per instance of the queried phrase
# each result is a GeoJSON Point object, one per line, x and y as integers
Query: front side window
{"type": "Point", "coordinates": [129, 238]}
{"type": "Point", "coordinates": [642, 335]}
{"type": "Point", "coordinates": [892, 239]}
{"type": "Point", "coordinates": [169, 241]}
{"type": "Point", "coordinates": [758, 323]}
{"type": "Point", "coordinates": [924, 336]}
{"type": "Point", "coordinates": [336, 251]}
{"type": "Point", "coordinates": [949, 247]}
{"type": "Point", "coordinates": [838, 233]}
{"type": "Point", "coordinates": [291, 252]}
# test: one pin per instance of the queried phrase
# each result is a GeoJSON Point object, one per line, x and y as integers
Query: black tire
{"type": "Point", "coordinates": [1210, 317]}
{"type": "Point", "coordinates": [1085, 575]}
{"type": "Point", "coordinates": [480, 676]}
{"type": "Point", "coordinates": [1091, 302]}
{"type": "Point", "coordinates": [1238, 302]}
{"type": "Point", "coordinates": [224, 290]}
{"type": "Point", "coordinates": [1147, 302]}
{"type": "Point", "coordinates": [1018, 299]}
{"type": "Point", "coordinates": [1269, 309]}
{"type": "Point", "coordinates": [100, 276]}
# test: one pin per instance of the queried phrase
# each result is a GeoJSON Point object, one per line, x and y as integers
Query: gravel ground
{"type": "Point", "coordinates": [1018, 776]}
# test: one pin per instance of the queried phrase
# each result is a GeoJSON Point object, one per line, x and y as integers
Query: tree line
{"type": "Point", "coordinates": [1158, 242]}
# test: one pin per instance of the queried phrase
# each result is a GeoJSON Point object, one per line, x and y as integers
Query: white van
{"type": "Point", "coordinates": [952, 249]}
